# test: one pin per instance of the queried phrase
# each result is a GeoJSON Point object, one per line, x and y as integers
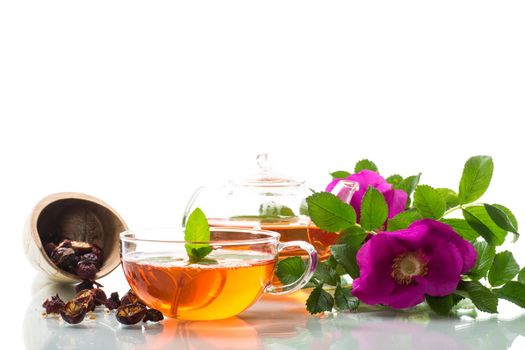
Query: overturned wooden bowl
{"type": "Point", "coordinates": [82, 218]}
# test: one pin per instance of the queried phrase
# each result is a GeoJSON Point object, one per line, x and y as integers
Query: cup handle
{"type": "Point", "coordinates": [308, 272]}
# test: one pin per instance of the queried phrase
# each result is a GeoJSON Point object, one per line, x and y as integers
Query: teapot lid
{"type": "Point", "coordinates": [265, 177]}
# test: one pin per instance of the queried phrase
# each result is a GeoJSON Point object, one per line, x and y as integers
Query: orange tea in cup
{"type": "Point", "coordinates": [187, 290]}
{"type": "Point", "coordinates": [230, 279]}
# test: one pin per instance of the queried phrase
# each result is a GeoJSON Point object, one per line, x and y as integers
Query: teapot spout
{"type": "Point", "coordinates": [345, 189]}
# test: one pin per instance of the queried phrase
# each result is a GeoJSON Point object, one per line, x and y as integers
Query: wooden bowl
{"type": "Point", "coordinates": [81, 218]}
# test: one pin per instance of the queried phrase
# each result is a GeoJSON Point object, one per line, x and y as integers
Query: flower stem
{"type": "Point", "coordinates": [451, 210]}
{"type": "Point", "coordinates": [457, 207]}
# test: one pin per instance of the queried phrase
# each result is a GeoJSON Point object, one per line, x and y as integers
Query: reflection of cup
{"type": "Point", "coordinates": [228, 280]}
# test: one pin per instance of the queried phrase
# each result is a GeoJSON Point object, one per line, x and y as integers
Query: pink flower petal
{"type": "Point", "coordinates": [443, 270]}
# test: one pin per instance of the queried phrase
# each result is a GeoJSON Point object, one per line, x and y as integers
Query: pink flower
{"type": "Point", "coordinates": [398, 268]}
{"type": "Point", "coordinates": [395, 199]}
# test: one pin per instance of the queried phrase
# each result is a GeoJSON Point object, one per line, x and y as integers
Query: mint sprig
{"type": "Point", "coordinates": [197, 230]}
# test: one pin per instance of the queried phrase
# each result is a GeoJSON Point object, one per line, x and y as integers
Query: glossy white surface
{"type": "Point", "coordinates": [273, 323]}
{"type": "Point", "coordinates": [140, 102]}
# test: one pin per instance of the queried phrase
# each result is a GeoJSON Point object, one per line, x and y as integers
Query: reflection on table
{"type": "Point", "coordinates": [273, 323]}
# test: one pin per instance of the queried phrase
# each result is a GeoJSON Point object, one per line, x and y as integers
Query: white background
{"type": "Point", "coordinates": [138, 103]}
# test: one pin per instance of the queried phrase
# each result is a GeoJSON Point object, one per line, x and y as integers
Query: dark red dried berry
{"type": "Point", "coordinates": [53, 306]}
{"type": "Point", "coordinates": [73, 312]}
{"type": "Point", "coordinates": [153, 315]}
{"type": "Point", "coordinates": [90, 258]}
{"type": "Point", "coordinates": [65, 258]}
{"type": "Point", "coordinates": [99, 296]}
{"type": "Point", "coordinates": [86, 271]}
{"type": "Point", "coordinates": [49, 247]}
{"type": "Point", "coordinates": [130, 313]}
{"type": "Point", "coordinates": [130, 298]}
{"type": "Point", "coordinates": [86, 297]}
{"type": "Point", "coordinates": [98, 252]}
{"type": "Point", "coordinates": [113, 302]}
{"type": "Point", "coordinates": [87, 284]}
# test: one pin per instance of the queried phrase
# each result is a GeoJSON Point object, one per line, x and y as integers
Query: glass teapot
{"type": "Point", "coordinates": [266, 201]}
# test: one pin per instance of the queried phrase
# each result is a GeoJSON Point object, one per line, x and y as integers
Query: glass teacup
{"type": "Point", "coordinates": [232, 277]}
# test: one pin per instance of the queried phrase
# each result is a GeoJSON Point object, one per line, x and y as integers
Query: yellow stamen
{"type": "Point", "coordinates": [406, 266]}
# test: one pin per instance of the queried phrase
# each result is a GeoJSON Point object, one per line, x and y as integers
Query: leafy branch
{"type": "Point", "coordinates": [496, 274]}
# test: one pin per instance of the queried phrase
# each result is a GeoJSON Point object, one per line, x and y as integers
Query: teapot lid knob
{"type": "Point", "coordinates": [264, 163]}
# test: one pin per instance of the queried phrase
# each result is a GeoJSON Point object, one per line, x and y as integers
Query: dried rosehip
{"type": "Point", "coordinates": [87, 284]}
{"type": "Point", "coordinates": [53, 306]}
{"type": "Point", "coordinates": [81, 248]}
{"type": "Point", "coordinates": [130, 313]}
{"type": "Point", "coordinates": [153, 316]}
{"type": "Point", "coordinates": [98, 252]}
{"type": "Point", "coordinates": [65, 258]}
{"type": "Point", "coordinates": [49, 247]}
{"type": "Point", "coordinates": [90, 258]}
{"type": "Point", "coordinates": [66, 243]}
{"type": "Point", "coordinates": [74, 312]}
{"type": "Point", "coordinates": [130, 298]}
{"type": "Point", "coordinates": [99, 296]}
{"type": "Point", "coordinates": [86, 297]}
{"type": "Point", "coordinates": [86, 271]}
{"type": "Point", "coordinates": [113, 302]}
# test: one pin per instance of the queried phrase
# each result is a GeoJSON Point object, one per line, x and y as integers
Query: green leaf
{"type": "Point", "coordinates": [329, 213]}
{"type": "Point", "coordinates": [344, 300]}
{"type": "Point", "coordinates": [290, 269]}
{"type": "Point", "coordinates": [510, 215]}
{"type": "Point", "coordinates": [403, 220]}
{"type": "Point", "coordinates": [326, 274]}
{"type": "Point", "coordinates": [440, 305]}
{"type": "Point", "coordinates": [394, 179]}
{"type": "Point", "coordinates": [484, 260]}
{"type": "Point", "coordinates": [500, 218]}
{"type": "Point", "coordinates": [345, 256]}
{"type": "Point", "coordinates": [197, 230]}
{"type": "Point", "coordinates": [340, 174]}
{"type": "Point", "coordinates": [481, 296]}
{"type": "Point", "coordinates": [462, 228]}
{"type": "Point", "coordinates": [197, 254]}
{"type": "Point", "coordinates": [409, 184]}
{"type": "Point", "coordinates": [353, 236]}
{"type": "Point", "coordinates": [429, 202]}
{"type": "Point", "coordinates": [482, 215]}
{"type": "Point", "coordinates": [272, 209]}
{"type": "Point", "coordinates": [475, 180]}
{"type": "Point", "coordinates": [513, 292]}
{"type": "Point", "coordinates": [365, 164]}
{"type": "Point", "coordinates": [319, 301]}
{"type": "Point", "coordinates": [450, 197]}
{"type": "Point", "coordinates": [521, 276]}
{"type": "Point", "coordinates": [374, 209]}
{"type": "Point", "coordinates": [504, 268]}
{"type": "Point", "coordinates": [479, 227]}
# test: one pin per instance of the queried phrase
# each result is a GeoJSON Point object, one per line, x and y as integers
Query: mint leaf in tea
{"type": "Point", "coordinates": [197, 230]}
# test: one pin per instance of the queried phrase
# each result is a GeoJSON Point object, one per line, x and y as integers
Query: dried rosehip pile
{"type": "Point", "coordinates": [130, 309]}
{"type": "Point", "coordinates": [80, 258]}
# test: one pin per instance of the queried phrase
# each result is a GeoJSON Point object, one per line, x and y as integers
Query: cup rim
{"type": "Point", "coordinates": [271, 236]}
